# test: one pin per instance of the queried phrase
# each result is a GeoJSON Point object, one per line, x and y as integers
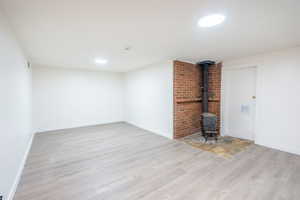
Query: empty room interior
{"type": "Point", "coordinates": [149, 100]}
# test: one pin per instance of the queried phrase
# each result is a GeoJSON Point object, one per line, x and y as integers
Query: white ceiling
{"type": "Point", "coordinates": [71, 33]}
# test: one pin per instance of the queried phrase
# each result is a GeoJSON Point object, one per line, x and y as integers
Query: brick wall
{"type": "Point", "coordinates": [187, 97]}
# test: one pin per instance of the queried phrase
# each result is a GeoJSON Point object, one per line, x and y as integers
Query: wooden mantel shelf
{"type": "Point", "coordinates": [188, 100]}
{"type": "Point", "coordinates": [191, 100]}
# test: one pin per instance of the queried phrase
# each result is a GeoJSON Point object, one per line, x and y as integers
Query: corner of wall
{"type": "Point", "coordinates": [152, 84]}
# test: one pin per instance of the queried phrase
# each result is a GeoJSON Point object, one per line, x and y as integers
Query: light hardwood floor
{"type": "Point", "coordinates": [122, 162]}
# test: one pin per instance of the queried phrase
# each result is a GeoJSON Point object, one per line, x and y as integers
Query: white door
{"type": "Point", "coordinates": [240, 95]}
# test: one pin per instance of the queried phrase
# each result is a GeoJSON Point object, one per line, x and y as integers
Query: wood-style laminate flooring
{"type": "Point", "coordinates": [122, 162]}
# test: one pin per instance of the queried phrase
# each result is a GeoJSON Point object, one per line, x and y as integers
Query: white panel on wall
{"type": "Point", "coordinates": [149, 98]}
{"type": "Point", "coordinates": [278, 99]}
{"type": "Point", "coordinates": [66, 98]}
{"type": "Point", "coordinates": [239, 103]}
{"type": "Point", "coordinates": [15, 111]}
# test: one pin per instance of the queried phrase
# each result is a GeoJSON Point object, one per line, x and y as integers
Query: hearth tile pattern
{"type": "Point", "coordinates": [226, 146]}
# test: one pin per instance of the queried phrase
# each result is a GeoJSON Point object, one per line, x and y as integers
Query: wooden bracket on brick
{"type": "Point", "coordinates": [194, 100]}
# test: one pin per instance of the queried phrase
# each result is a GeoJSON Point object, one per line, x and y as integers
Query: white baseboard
{"type": "Point", "coordinates": [169, 136]}
{"type": "Point", "coordinates": [280, 148]}
{"type": "Point", "coordinates": [19, 174]}
{"type": "Point", "coordinates": [74, 127]}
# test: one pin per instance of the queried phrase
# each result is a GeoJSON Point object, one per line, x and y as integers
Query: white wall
{"type": "Point", "coordinates": [278, 98]}
{"type": "Point", "coordinates": [149, 98]}
{"type": "Point", "coordinates": [15, 110]}
{"type": "Point", "coordinates": [66, 98]}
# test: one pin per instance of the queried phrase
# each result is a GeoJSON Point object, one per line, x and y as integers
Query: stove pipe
{"type": "Point", "coordinates": [204, 67]}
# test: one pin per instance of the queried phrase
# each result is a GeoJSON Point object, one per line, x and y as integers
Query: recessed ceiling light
{"type": "Point", "coordinates": [100, 61]}
{"type": "Point", "coordinates": [211, 20]}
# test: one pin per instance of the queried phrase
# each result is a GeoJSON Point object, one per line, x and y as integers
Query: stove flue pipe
{"type": "Point", "coordinates": [205, 81]}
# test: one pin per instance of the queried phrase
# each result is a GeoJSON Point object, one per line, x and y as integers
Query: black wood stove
{"type": "Point", "coordinates": [209, 120]}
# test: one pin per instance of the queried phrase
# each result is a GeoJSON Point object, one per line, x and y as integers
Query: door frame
{"type": "Point", "coordinates": [223, 101]}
